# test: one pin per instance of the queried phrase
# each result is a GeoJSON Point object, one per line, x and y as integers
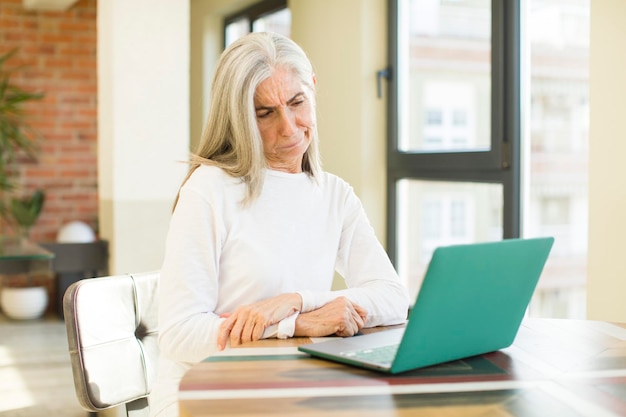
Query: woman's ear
{"type": "Point", "coordinates": [314, 79]}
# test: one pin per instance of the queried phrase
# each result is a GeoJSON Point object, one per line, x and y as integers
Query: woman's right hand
{"type": "Point", "coordinates": [340, 317]}
{"type": "Point", "coordinates": [248, 322]}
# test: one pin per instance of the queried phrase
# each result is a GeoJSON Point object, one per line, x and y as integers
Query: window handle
{"type": "Point", "coordinates": [380, 74]}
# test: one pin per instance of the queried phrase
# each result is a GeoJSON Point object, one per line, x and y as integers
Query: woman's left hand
{"type": "Point", "coordinates": [248, 323]}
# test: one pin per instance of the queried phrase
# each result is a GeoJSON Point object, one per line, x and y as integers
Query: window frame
{"type": "Point", "coordinates": [502, 162]}
{"type": "Point", "coordinates": [252, 13]}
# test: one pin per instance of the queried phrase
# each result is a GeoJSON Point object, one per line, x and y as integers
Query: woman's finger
{"type": "Point", "coordinates": [248, 331]}
{"type": "Point", "coordinates": [224, 332]}
{"type": "Point", "coordinates": [236, 331]}
{"type": "Point", "coordinates": [259, 329]}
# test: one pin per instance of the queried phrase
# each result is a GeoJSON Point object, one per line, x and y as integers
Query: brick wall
{"type": "Point", "coordinates": [58, 51]}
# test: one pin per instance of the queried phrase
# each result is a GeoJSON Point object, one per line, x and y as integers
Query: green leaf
{"type": "Point", "coordinates": [15, 134]}
{"type": "Point", "coordinates": [26, 210]}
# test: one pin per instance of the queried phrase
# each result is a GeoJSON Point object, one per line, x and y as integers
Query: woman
{"type": "Point", "coordinates": [259, 229]}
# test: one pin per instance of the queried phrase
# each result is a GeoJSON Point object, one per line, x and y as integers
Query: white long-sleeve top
{"type": "Point", "coordinates": [221, 255]}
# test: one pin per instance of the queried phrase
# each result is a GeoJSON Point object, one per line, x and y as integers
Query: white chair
{"type": "Point", "coordinates": [112, 333]}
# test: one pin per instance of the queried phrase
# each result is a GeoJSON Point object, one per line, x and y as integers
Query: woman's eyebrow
{"type": "Point", "coordinates": [296, 97]}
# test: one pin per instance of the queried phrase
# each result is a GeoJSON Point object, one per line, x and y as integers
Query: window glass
{"type": "Point", "coordinates": [443, 129]}
{"type": "Point", "coordinates": [236, 30]}
{"type": "Point", "coordinates": [556, 137]}
{"type": "Point", "coordinates": [264, 16]}
{"type": "Point", "coordinates": [278, 22]}
{"type": "Point", "coordinates": [437, 213]}
{"type": "Point", "coordinates": [444, 52]}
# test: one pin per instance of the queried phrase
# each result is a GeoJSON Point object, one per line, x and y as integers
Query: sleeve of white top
{"type": "Point", "coordinates": [283, 329]}
{"type": "Point", "coordinates": [313, 300]}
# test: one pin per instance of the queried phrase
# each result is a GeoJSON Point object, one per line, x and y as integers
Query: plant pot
{"type": "Point", "coordinates": [24, 303]}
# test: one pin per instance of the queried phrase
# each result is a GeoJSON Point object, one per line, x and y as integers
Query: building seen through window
{"type": "Point", "coordinates": [557, 135]}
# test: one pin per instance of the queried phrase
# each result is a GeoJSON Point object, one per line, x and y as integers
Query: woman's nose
{"type": "Point", "coordinates": [287, 123]}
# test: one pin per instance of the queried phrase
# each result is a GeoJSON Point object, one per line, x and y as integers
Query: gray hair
{"type": "Point", "coordinates": [231, 138]}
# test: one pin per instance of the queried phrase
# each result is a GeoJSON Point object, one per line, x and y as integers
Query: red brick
{"type": "Point", "coordinates": [77, 75]}
{"type": "Point", "coordinates": [64, 62]}
{"type": "Point", "coordinates": [78, 50]}
{"type": "Point", "coordinates": [87, 64]}
{"type": "Point", "coordinates": [30, 24]}
{"type": "Point", "coordinates": [56, 38]}
{"type": "Point", "coordinates": [9, 24]}
{"type": "Point", "coordinates": [40, 173]}
{"type": "Point", "coordinates": [85, 39]}
{"type": "Point", "coordinates": [21, 60]}
{"type": "Point", "coordinates": [87, 14]}
{"type": "Point", "coordinates": [19, 36]}
{"type": "Point", "coordinates": [43, 124]}
{"type": "Point", "coordinates": [76, 26]}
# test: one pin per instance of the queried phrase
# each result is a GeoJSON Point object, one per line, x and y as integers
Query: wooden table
{"type": "Point", "coordinates": [555, 368]}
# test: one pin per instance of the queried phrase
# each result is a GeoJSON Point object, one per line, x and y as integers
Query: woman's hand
{"type": "Point", "coordinates": [339, 317]}
{"type": "Point", "coordinates": [248, 323]}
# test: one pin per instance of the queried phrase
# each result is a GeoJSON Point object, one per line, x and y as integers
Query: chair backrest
{"type": "Point", "coordinates": [112, 333]}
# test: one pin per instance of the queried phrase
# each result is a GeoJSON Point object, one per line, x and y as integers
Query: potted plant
{"type": "Point", "coordinates": [18, 212]}
{"type": "Point", "coordinates": [25, 211]}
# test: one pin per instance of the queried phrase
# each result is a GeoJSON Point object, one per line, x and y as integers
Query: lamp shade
{"type": "Point", "coordinates": [76, 232]}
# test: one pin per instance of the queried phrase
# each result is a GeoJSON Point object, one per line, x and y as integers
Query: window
{"type": "Point", "coordinates": [452, 154]}
{"type": "Point", "coordinates": [488, 126]}
{"type": "Point", "coordinates": [437, 213]}
{"type": "Point", "coordinates": [554, 211]}
{"type": "Point", "coordinates": [556, 144]}
{"type": "Point", "coordinates": [265, 16]}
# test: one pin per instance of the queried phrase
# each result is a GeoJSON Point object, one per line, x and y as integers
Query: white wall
{"type": "Point", "coordinates": [346, 52]}
{"type": "Point", "coordinates": [606, 288]}
{"type": "Point", "coordinates": [143, 124]}
{"type": "Point", "coordinates": [206, 43]}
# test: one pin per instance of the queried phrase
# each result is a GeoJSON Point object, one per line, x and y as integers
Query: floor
{"type": "Point", "coordinates": [35, 373]}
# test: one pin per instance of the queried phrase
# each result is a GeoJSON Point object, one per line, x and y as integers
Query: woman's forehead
{"type": "Point", "coordinates": [279, 87]}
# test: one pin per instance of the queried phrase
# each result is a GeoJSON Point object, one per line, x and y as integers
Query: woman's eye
{"type": "Point", "coordinates": [263, 115]}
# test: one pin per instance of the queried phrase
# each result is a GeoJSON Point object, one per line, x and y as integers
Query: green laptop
{"type": "Point", "coordinates": [472, 301]}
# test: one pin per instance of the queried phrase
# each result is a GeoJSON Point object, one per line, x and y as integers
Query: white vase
{"type": "Point", "coordinates": [24, 303]}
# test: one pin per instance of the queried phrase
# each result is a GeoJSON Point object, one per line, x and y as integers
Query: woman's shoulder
{"type": "Point", "coordinates": [334, 182]}
{"type": "Point", "coordinates": [338, 190]}
{"type": "Point", "coordinates": [209, 179]}
{"type": "Point", "coordinates": [210, 174]}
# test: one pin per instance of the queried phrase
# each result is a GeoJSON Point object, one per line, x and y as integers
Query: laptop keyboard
{"type": "Point", "coordinates": [381, 354]}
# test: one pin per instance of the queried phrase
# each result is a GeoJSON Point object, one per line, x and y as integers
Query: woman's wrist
{"type": "Point", "coordinates": [296, 302]}
{"type": "Point", "coordinates": [287, 326]}
{"type": "Point", "coordinates": [301, 326]}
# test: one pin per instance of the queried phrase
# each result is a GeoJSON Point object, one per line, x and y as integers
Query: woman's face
{"type": "Point", "coordinates": [284, 114]}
